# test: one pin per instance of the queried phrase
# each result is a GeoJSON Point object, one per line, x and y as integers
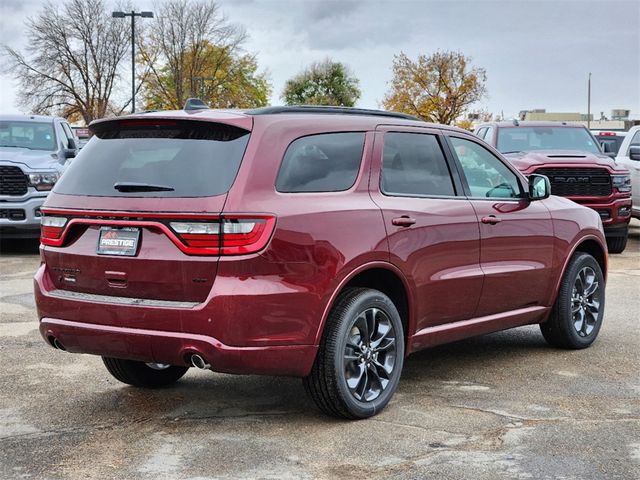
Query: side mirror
{"type": "Point", "coordinates": [69, 153]}
{"type": "Point", "coordinates": [634, 152]}
{"type": "Point", "coordinates": [539, 187]}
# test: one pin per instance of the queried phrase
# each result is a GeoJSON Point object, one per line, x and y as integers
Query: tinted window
{"type": "Point", "coordinates": [488, 135]}
{"type": "Point", "coordinates": [413, 164]}
{"type": "Point", "coordinates": [486, 175]}
{"type": "Point", "coordinates": [31, 135]}
{"type": "Point", "coordinates": [68, 134]}
{"type": "Point", "coordinates": [480, 133]}
{"type": "Point", "coordinates": [194, 159]}
{"type": "Point", "coordinates": [636, 138]}
{"type": "Point", "coordinates": [321, 163]}
{"type": "Point", "coordinates": [522, 139]}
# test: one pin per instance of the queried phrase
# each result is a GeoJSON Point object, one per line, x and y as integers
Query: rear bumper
{"type": "Point", "coordinates": [175, 348]}
{"type": "Point", "coordinates": [164, 332]}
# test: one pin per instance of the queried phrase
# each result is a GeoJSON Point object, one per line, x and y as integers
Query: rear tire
{"type": "Point", "coordinates": [360, 358]}
{"type": "Point", "coordinates": [139, 374]}
{"type": "Point", "coordinates": [576, 317]}
{"type": "Point", "coordinates": [617, 244]}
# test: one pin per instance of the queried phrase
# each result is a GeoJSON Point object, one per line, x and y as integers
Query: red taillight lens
{"type": "Point", "coordinates": [242, 235]}
{"type": "Point", "coordinates": [51, 228]}
{"type": "Point", "coordinates": [232, 235]}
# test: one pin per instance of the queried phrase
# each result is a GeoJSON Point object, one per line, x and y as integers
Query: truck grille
{"type": "Point", "coordinates": [13, 181]}
{"type": "Point", "coordinates": [578, 182]}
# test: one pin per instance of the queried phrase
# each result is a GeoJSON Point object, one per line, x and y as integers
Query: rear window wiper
{"type": "Point", "coordinates": [141, 187]}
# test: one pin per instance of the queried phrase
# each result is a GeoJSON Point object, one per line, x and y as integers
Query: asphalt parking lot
{"type": "Point", "coordinates": [499, 406]}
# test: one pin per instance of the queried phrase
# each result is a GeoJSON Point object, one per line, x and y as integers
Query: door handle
{"type": "Point", "coordinates": [403, 221]}
{"type": "Point", "coordinates": [491, 220]}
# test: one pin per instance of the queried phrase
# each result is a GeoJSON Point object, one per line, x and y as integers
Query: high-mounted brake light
{"type": "Point", "coordinates": [607, 134]}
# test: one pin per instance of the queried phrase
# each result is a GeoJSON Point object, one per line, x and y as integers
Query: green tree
{"type": "Point", "coordinates": [193, 51]}
{"type": "Point", "coordinates": [323, 83]}
{"type": "Point", "coordinates": [437, 88]}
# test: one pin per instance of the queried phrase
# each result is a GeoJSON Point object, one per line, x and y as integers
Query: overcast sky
{"type": "Point", "coordinates": [537, 54]}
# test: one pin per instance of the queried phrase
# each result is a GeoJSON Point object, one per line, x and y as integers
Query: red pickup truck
{"type": "Point", "coordinates": [576, 166]}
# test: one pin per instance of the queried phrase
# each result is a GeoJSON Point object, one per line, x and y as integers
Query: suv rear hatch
{"type": "Point", "coordinates": [138, 214]}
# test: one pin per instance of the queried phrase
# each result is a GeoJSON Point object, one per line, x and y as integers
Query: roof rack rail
{"type": "Point", "coordinates": [328, 110]}
{"type": "Point", "coordinates": [195, 104]}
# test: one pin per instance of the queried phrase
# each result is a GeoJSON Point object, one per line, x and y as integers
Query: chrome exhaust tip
{"type": "Point", "coordinates": [56, 344]}
{"type": "Point", "coordinates": [199, 362]}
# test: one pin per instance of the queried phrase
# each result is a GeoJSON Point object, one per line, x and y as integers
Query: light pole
{"type": "Point", "coordinates": [589, 102]}
{"type": "Point", "coordinates": [133, 16]}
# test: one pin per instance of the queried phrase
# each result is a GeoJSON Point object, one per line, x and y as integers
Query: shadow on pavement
{"type": "Point", "coordinates": [19, 247]}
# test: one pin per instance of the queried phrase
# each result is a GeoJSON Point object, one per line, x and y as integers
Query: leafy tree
{"type": "Point", "coordinates": [71, 64]}
{"type": "Point", "coordinates": [437, 88]}
{"type": "Point", "coordinates": [194, 51]}
{"type": "Point", "coordinates": [323, 83]}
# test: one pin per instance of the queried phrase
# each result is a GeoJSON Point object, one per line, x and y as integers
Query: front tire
{"type": "Point", "coordinates": [140, 374]}
{"type": "Point", "coordinates": [360, 358]}
{"type": "Point", "coordinates": [576, 317]}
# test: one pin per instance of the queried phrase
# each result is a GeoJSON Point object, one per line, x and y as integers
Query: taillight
{"type": "Point", "coordinates": [51, 228]}
{"type": "Point", "coordinates": [232, 235]}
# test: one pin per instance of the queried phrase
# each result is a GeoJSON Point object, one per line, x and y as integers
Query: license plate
{"type": "Point", "coordinates": [118, 241]}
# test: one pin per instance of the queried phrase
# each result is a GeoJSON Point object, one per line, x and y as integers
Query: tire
{"type": "Point", "coordinates": [140, 374]}
{"type": "Point", "coordinates": [617, 244]}
{"type": "Point", "coordinates": [576, 316]}
{"type": "Point", "coordinates": [359, 362]}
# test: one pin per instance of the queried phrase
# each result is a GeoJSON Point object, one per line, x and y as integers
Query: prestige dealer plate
{"type": "Point", "coordinates": [118, 241]}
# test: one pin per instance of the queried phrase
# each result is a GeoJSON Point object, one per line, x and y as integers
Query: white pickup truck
{"type": "Point", "coordinates": [629, 156]}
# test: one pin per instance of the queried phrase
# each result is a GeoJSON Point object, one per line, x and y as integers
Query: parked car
{"type": "Point", "coordinates": [629, 157]}
{"type": "Point", "coordinates": [576, 166]}
{"type": "Point", "coordinates": [609, 140]}
{"type": "Point", "coordinates": [33, 151]}
{"type": "Point", "coordinates": [324, 243]}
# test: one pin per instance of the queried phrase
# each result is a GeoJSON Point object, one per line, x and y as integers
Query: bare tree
{"type": "Point", "coordinates": [72, 60]}
{"type": "Point", "coordinates": [191, 41]}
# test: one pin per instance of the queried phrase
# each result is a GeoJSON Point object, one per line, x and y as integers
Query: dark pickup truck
{"type": "Point", "coordinates": [576, 166]}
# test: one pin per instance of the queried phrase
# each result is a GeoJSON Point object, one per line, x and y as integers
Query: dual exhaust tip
{"type": "Point", "coordinates": [199, 362]}
{"type": "Point", "coordinates": [55, 343]}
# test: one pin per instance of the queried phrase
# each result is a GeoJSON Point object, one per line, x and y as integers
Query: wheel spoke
{"type": "Point", "coordinates": [363, 384]}
{"type": "Point", "coordinates": [354, 381]}
{"type": "Point", "coordinates": [591, 288]}
{"type": "Point", "coordinates": [383, 331]}
{"type": "Point", "coordinates": [578, 320]}
{"type": "Point", "coordinates": [386, 345]}
{"type": "Point", "coordinates": [593, 307]}
{"type": "Point", "coordinates": [372, 324]}
{"type": "Point", "coordinates": [363, 328]}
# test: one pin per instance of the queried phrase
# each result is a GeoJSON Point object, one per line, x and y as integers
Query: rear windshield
{"type": "Point", "coordinates": [31, 135]}
{"type": "Point", "coordinates": [522, 139]}
{"type": "Point", "coordinates": [156, 158]}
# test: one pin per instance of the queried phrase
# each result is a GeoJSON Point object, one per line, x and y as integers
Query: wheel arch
{"type": "Point", "coordinates": [386, 278]}
{"type": "Point", "coordinates": [589, 244]}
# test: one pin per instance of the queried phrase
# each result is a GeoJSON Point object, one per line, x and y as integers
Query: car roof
{"type": "Point", "coordinates": [345, 116]}
{"type": "Point", "coordinates": [530, 123]}
{"type": "Point", "coordinates": [27, 118]}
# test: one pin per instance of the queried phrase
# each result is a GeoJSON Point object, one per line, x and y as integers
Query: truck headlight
{"type": "Point", "coordinates": [621, 182]}
{"type": "Point", "coordinates": [43, 180]}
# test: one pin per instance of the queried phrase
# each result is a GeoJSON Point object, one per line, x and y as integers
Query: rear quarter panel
{"type": "Point", "coordinates": [319, 240]}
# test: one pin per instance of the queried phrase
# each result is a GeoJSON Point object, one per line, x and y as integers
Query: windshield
{"type": "Point", "coordinates": [31, 135]}
{"type": "Point", "coordinates": [156, 158]}
{"type": "Point", "coordinates": [523, 139]}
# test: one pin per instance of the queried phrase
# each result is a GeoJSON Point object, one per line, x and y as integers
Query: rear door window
{"type": "Point", "coordinates": [321, 163]}
{"type": "Point", "coordinates": [185, 158]}
{"type": "Point", "coordinates": [414, 165]}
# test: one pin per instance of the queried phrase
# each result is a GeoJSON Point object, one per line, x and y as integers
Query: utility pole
{"type": "Point", "coordinates": [589, 102]}
{"type": "Point", "coordinates": [133, 16]}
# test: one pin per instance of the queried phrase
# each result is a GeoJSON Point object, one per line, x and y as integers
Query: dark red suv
{"type": "Point", "coordinates": [324, 243]}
